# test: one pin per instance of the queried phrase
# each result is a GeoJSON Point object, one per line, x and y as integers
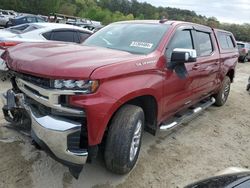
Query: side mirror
{"type": "Point", "coordinates": [182, 55]}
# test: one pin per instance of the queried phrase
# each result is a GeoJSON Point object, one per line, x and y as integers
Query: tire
{"type": "Point", "coordinates": [124, 139]}
{"type": "Point", "coordinates": [245, 59]}
{"type": "Point", "coordinates": [7, 25]}
{"type": "Point", "coordinates": [248, 87]}
{"type": "Point", "coordinates": [222, 95]}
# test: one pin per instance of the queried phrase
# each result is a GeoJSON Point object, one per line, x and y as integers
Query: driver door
{"type": "Point", "coordinates": [178, 87]}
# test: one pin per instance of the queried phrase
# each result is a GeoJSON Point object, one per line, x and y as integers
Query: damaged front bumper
{"type": "Point", "coordinates": [58, 136]}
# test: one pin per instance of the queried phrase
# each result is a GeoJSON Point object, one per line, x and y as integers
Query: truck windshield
{"type": "Point", "coordinates": [132, 38]}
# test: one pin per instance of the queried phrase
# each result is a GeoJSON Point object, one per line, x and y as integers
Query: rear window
{"type": "Point", "coordinates": [226, 41]}
{"type": "Point", "coordinates": [65, 36]}
{"type": "Point", "coordinates": [83, 36]}
{"type": "Point", "coordinates": [21, 29]}
{"type": "Point", "coordinates": [240, 46]}
{"type": "Point", "coordinates": [47, 35]}
{"type": "Point", "coordinates": [204, 43]}
{"type": "Point", "coordinates": [18, 29]}
{"type": "Point", "coordinates": [5, 13]}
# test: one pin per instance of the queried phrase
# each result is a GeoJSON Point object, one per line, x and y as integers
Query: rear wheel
{"type": "Point", "coordinates": [124, 139]}
{"type": "Point", "coordinates": [222, 95]}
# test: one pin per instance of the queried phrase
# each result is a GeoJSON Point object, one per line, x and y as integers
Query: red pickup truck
{"type": "Point", "coordinates": [128, 77]}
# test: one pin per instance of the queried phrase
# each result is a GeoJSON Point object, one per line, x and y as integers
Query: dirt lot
{"type": "Point", "coordinates": [217, 139]}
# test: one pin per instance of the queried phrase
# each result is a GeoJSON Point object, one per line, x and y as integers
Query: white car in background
{"type": "Point", "coordinates": [40, 32]}
{"type": "Point", "coordinates": [5, 15]}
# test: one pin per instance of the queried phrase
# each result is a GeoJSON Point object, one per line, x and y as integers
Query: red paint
{"type": "Point", "coordinates": [121, 79]}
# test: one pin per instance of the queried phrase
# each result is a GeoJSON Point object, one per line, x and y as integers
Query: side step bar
{"type": "Point", "coordinates": [187, 115]}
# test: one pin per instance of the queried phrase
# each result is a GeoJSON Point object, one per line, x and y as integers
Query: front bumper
{"type": "Point", "coordinates": [58, 136]}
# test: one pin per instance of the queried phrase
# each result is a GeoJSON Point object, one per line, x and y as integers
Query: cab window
{"type": "Point", "coordinates": [204, 43]}
{"type": "Point", "coordinates": [181, 39]}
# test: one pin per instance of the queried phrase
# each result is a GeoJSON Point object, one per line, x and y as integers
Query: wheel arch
{"type": "Point", "coordinates": [149, 105]}
{"type": "Point", "coordinates": [231, 74]}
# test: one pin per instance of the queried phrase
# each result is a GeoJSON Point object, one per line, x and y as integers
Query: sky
{"type": "Point", "coordinates": [229, 11]}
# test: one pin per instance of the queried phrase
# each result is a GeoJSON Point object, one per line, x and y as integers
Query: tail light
{"type": "Point", "coordinates": [4, 45]}
{"type": "Point", "coordinates": [244, 50]}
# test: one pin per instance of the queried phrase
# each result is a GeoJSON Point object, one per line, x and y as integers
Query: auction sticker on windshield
{"type": "Point", "coordinates": [141, 45]}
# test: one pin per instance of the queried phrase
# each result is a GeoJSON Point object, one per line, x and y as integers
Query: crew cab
{"type": "Point", "coordinates": [128, 77]}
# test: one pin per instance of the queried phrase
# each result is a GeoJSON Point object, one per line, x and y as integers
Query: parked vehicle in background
{"type": "Point", "coordinates": [77, 21]}
{"type": "Point", "coordinates": [128, 77]}
{"type": "Point", "coordinates": [5, 15]}
{"type": "Point", "coordinates": [33, 32]}
{"type": "Point", "coordinates": [28, 18]}
{"type": "Point", "coordinates": [244, 50]}
{"type": "Point", "coordinates": [87, 24]}
{"type": "Point", "coordinates": [40, 32]}
{"type": "Point", "coordinates": [248, 85]}
{"type": "Point", "coordinates": [229, 178]}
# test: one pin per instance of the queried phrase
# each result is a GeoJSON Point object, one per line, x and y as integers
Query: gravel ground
{"type": "Point", "coordinates": [217, 139]}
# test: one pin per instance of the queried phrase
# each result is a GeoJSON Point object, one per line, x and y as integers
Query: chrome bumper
{"type": "Point", "coordinates": [51, 134]}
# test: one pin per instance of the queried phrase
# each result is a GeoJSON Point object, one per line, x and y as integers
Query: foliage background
{"type": "Point", "coordinates": [108, 11]}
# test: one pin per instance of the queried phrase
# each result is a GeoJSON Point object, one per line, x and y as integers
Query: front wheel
{"type": "Point", "coordinates": [222, 95]}
{"type": "Point", "coordinates": [124, 139]}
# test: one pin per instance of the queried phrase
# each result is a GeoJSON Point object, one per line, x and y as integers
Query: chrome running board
{"type": "Point", "coordinates": [188, 115]}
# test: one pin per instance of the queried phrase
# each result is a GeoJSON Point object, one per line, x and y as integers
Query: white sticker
{"type": "Point", "coordinates": [145, 63]}
{"type": "Point", "coordinates": [141, 44]}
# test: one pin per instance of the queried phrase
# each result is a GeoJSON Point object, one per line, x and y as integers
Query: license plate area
{"type": "Point", "coordinates": [15, 100]}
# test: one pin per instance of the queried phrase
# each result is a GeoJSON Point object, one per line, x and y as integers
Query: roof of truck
{"type": "Point", "coordinates": [170, 22]}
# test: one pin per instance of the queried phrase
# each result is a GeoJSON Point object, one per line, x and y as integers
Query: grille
{"type": "Point", "coordinates": [42, 82]}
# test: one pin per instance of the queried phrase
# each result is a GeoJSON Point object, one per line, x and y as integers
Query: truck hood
{"type": "Point", "coordinates": [60, 60]}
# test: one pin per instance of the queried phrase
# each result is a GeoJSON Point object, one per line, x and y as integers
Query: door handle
{"type": "Point", "coordinates": [195, 67]}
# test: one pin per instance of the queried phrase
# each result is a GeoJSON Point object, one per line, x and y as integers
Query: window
{"type": "Point", "coordinates": [31, 19]}
{"type": "Point", "coordinates": [18, 29]}
{"type": "Point", "coordinates": [230, 42]}
{"type": "Point", "coordinates": [204, 43]}
{"type": "Point", "coordinates": [5, 13]}
{"type": "Point", "coordinates": [223, 41]}
{"type": "Point", "coordinates": [30, 28]}
{"type": "Point", "coordinates": [83, 36]}
{"type": "Point", "coordinates": [66, 36]}
{"type": "Point", "coordinates": [240, 45]}
{"type": "Point", "coordinates": [76, 37]}
{"type": "Point", "coordinates": [226, 41]}
{"type": "Point", "coordinates": [137, 38]}
{"type": "Point", "coordinates": [47, 35]}
{"type": "Point", "coordinates": [40, 20]}
{"type": "Point", "coordinates": [182, 39]}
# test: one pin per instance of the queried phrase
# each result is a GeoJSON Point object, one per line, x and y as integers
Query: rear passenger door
{"type": "Point", "coordinates": [208, 64]}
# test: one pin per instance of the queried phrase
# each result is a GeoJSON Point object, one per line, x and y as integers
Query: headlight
{"type": "Point", "coordinates": [87, 86]}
